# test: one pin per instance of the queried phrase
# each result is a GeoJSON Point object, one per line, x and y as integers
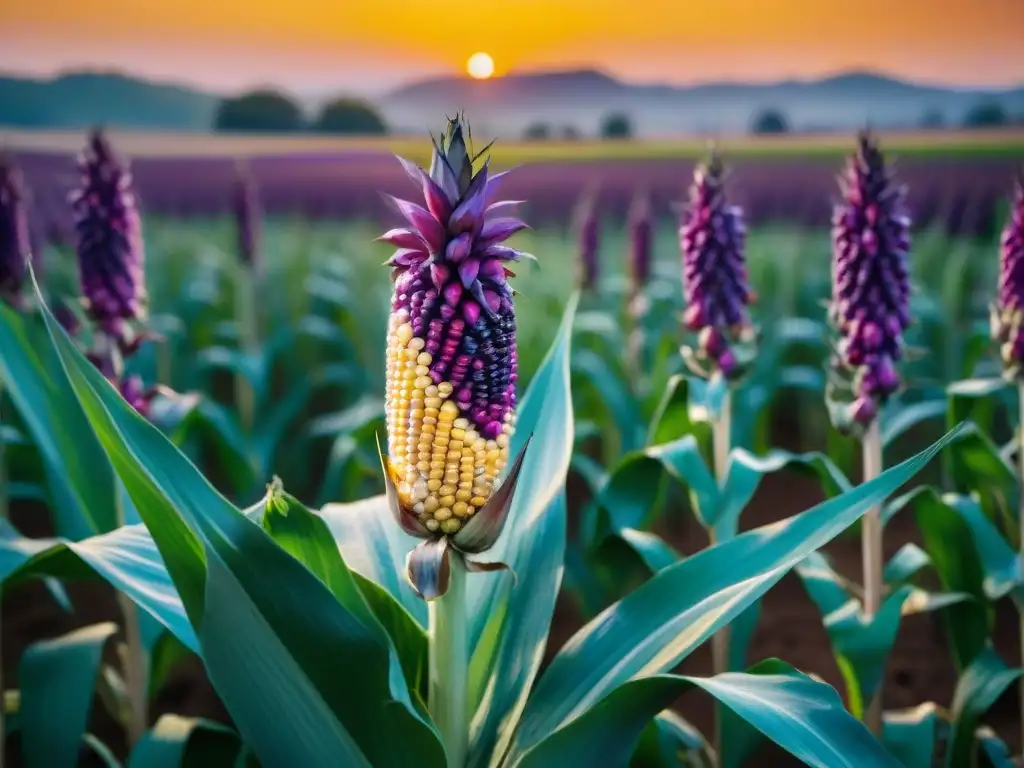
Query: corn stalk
{"type": "Point", "coordinates": [248, 328]}
{"type": "Point", "coordinates": [721, 440]}
{"type": "Point", "coordinates": [871, 554]}
{"type": "Point", "coordinates": [133, 659]}
{"type": "Point", "coordinates": [448, 695]}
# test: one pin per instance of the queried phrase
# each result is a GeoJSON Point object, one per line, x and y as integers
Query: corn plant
{"type": "Point", "coordinates": [328, 641]}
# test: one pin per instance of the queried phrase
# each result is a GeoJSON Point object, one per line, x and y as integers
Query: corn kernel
{"type": "Point", "coordinates": [442, 514]}
{"type": "Point", "coordinates": [451, 526]}
{"type": "Point", "coordinates": [460, 508]}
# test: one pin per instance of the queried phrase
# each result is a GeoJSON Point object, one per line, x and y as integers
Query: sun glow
{"type": "Point", "coordinates": [480, 66]}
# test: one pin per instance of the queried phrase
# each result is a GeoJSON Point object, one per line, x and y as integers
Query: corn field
{"type": "Point", "coordinates": [683, 512]}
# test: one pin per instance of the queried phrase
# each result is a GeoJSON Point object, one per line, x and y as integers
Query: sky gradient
{"type": "Point", "coordinates": [322, 46]}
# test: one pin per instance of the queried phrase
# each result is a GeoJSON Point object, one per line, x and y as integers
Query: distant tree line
{"type": "Point", "coordinates": [269, 111]}
{"type": "Point", "coordinates": [985, 114]}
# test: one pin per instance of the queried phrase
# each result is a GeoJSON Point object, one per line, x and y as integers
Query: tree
{"type": "Point", "coordinates": [571, 133]}
{"type": "Point", "coordinates": [537, 132]}
{"type": "Point", "coordinates": [987, 114]}
{"type": "Point", "coordinates": [933, 119]}
{"type": "Point", "coordinates": [616, 126]}
{"type": "Point", "coordinates": [769, 121]}
{"type": "Point", "coordinates": [350, 116]}
{"type": "Point", "coordinates": [263, 111]}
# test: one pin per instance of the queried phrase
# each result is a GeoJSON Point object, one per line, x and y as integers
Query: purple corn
{"type": "Point", "coordinates": [451, 378]}
{"type": "Point", "coordinates": [870, 278]}
{"type": "Point", "coordinates": [248, 214]}
{"type": "Point", "coordinates": [1008, 311]}
{"type": "Point", "coordinates": [109, 240]}
{"type": "Point", "coordinates": [588, 230]}
{"type": "Point", "coordinates": [641, 242]}
{"type": "Point", "coordinates": [715, 287]}
{"type": "Point", "coordinates": [15, 246]}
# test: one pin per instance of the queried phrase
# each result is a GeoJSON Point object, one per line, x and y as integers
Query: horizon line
{"type": "Point", "coordinates": [114, 70]}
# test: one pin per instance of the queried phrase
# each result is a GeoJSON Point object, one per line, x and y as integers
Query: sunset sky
{"type": "Point", "coordinates": [314, 46]}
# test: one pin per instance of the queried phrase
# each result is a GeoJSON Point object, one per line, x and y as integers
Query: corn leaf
{"type": "Point", "coordinates": [658, 625]}
{"type": "Point", "coordinates": [280, 649]}
{"type": "Point", "coordinates": [803, 716]}
{"type": "Point", "coordinates": [533, 545]}
{"type": "Point", "coordinates": [911, 735]}
{"type": "Point", "coordinates": [57, 678]}
{"type": "Point", "coordinates": [984, 681]}
{"type": "Point", "coordinates": [81, 483]}
{"type": "Point", "coordinates": [179, 741]}
{"type": "Point", "coordinates": [951, 547]}
{"type": "Point", "coordinates": [861, 644]}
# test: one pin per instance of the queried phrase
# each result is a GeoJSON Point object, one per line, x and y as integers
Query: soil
{"type": "Point", "coordinates": [920, 667]}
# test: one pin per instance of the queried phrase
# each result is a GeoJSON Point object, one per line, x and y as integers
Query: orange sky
{"type": "Point", "coordinates": [315, 45]}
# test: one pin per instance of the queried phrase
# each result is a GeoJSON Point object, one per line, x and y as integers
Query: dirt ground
{"type": "Point", "coordinates": [919, 668]}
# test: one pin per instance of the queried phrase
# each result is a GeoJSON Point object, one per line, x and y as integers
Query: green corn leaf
{"type": "Point", "coordinates": [803, 716]}
{"type": "Point", "coordinates": [659, 624]}
{"type": "Point", "coordinates": [908, 561]}
{"type": "Point", "coordinates": [995, 750]}
{"type": "Point", "coordinates": [634, 485]}
{"type": "Point", "coordinates": [307, 538]}
{"type": "Point", "coordinates": [57, 678]}
{"type": "Point", "coordinates": [979, 686]}
{"type": "Point", "coordinates": [533, 545]}
{"type": "Point", "coordinates": [906, 417]}
{"type": "Point", "coordinates": [126, 557]}
{"type": "Point", "coordinates": [613, 389]}
{"type": "Point", "coordinates": [911, 735]}
{"type": "Point", "coordinates": [1000, 562]}
{"type": "Point", "coordinates": [669, 741]}
{"type": "Point", "coordinates": [683, 410]}
{"type": "Point", "coordinates": [259, 606]}
{"type": "Point", "coordinates": [862, 645]}
{"type": "Point", "coordinates": [375, 547]}
{"type": "Point", "coordinates": [185, 741]}
{"type": "Point", "coordinates": [951, 548]}
{"type": "Point", "coordinates": [745, 472]}
{"type": "Point", "coordinates": [80, 480]}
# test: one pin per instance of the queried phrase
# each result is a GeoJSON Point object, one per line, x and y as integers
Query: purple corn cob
{"type": "Point", "coordinates": [641, 242]}
{"type": "Point", "coordinates": [109, 240]}
{"type": "Point", "coordinates": [248, 214]}
{"type": "Point", "coordinates": [588, 229]}
{"type": "Point", "coordinates": [715, 287]}
{"type": "Point", "coordinates": [15, 247]}
{"type": "Point", "coordinates": [451, 379]}
{"type": "Point", "coordinates": [870, 278]}
{"type": "Point", "coordinates": [1008, 310]}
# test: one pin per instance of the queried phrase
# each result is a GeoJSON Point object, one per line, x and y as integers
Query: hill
{"type": "Point", "coordinates": [82, 99]}
{"type": "Point", "coordinates": [505, 106]}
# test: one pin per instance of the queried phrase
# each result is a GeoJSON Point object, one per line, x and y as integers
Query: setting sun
{"type": "Point", "coordinates": [480, 66]}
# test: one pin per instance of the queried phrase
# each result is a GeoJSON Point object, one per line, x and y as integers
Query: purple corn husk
{"type": "Point", "coordinates": [15, 244]}
{"type": "Point", "coordinates": [1008, 309]}
{"type": "Point", "coordinates": [870, 278]}
{"type": "Point", "coordinates": [111, 256]}
{"type": "Point", "coordinates": [715, 285]}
